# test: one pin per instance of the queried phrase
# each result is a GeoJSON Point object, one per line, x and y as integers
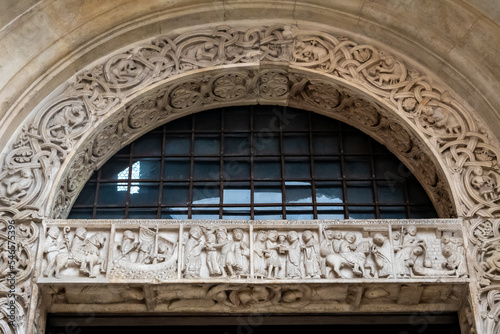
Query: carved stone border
{"type": "Point", "coordinates": [131, 92]}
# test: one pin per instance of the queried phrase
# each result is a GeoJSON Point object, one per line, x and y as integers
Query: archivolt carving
{"type": "Point", "coordinates": [418, 118]}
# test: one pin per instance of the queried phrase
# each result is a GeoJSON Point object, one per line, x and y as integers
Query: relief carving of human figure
{"type": "Point", "coordinates": [293, 256]}
{"type": "Point", "coordinates": [259, 259]}
{"type": "Point", "coordinates": [192, 253]}
{"type": "Point", "coordinates": [129, 243]}
{"type": "Point", "coordinates": [454, 252]}
{"type": "Point", "coordinates": [492, 259]}
{"type": "Point", "coordinates": [282, 250]}
{"type": "Point", "coordinates": [407, 252]}
{"type": "Point", "coordinates": [241, 252]}
{"type": "Point", "coordinates": [16, 186]}
{"type": "Point", "coordinates": [311, 250]}
{"type": "Point", "coordinates": [51, 248]}
{"type": "Point", "coordinates": [381, 256]}
{"type": "Point", "coordinates": [212, 255]}
{"type": "Point", "coordinates": [227, 256]}
{"type": "Point", "coordinates": [272, 258]}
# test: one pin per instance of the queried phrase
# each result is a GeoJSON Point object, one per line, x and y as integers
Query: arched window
{"type": "Point", "coordinates": [261, 162]}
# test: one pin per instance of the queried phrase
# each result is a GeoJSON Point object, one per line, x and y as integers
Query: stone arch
{"type": "Point", "coordinates": [109, 104]}
{"type": "Point", "coordinates": [169, 76]}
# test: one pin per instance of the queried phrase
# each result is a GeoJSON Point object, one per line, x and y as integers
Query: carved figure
{"type": "Point", "coordinates": [273, 263]}
{"type": "Point", "coordinates": [484, 184]}
{"type": "Point", "coordinates": [282, 249]}
{"type": "Point", "coordinates": [16, 186]}
{"type": "Point", "coordinates": [309, 52]}
{"type": "Point", "coordinates": [64, 122]}
{"type": "Point", "coordinates": [388, 70]}
{"type": "Point", "coordinates": [437, 118]}
{"type": "Point", "coordinates": [212, 256]}
{"type": "Point", "coordinates": [129, 244]}
{"type": "Point", "coordinates": [293, 256]}
{"type": "Point", "coordinates": [381, 256]}
{"type": "Point", "coordinates": [406, 251]}
{"type": "Point", "coordinates": [87, 254]}
{"type": "Point", "coordinates": [192, 253]}
{"type": "Point", "coordinates": [51, 248]}
{"type": "Point", "coordinates": [311, 251]}
{"type": "Point", "coordinates": [492, 262]}
{"type": "Point", "coordinates": [227, 257]}
{"type": "Point", "coordinates": [350, 255]}
{"type": "Point", "coordinates": [327, 247]}
{"type": "Point", "coordinates": [259, 259]}
{"type": "Point", "coordinates": [241, 252]}
{"type": "Point", "coordinates": [454, 252]}
{"type": "Point", "coordinates": [144, 255]}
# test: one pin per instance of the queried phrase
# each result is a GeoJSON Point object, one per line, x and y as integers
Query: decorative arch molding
{"type": "Point", "coordinates": [108, 105]}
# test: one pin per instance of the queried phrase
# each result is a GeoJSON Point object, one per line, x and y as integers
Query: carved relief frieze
{"type": "Point", "coordinates": [135, 251]}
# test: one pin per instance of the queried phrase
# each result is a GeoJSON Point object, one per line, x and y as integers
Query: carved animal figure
{"type": "Point", "coordinates": [350, 256]}
{"type": "Point", "coordinates": [88, 256]}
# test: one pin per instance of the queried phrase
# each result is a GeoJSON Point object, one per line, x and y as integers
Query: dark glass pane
{"type": "Point", "coordinates": [207, 145]}
{"type": "Point", "coordinates": [297, 169]}
{"type": "Point", "coordinates": [142, 213]}
{"type": "Point", "coordinates": [237, 145]}
{"type": "Point", "coordinates": [236, 193]}
{"type": "Point", "coordinates": [112, 194]}
{"type": "Point", "coordinates": [265, 121]}
{"type": "Point", "coordinates": [174, 213]}
{"type": "Point", "coordinates": [266, 144]}
{"type": "Point", "coordinates": [178, 145]}
{"type": "Point", "coordinates": [416, 193]}
{"type": "Point", "coordinates": [327, 169]}
{"type": "Point", "coordinates": [299, 212]}
{"type": "Point", "coordinates": [115, 169]}
{"type": "Point", "coordinates": [361, 212]}
{"type": "Point", "coordinates": [146, 169]}
{"type": "Point", "coordinates": [359, 192]}
{"type": "Point", "coordinates": [388, 168]}
{"type": "Point", "coordinates": [329, 192]}
{"type": "Point", "coordinates": [323, 123]}
{"type": "Point", "coordinates": [236, 213]}
{"type": "Point", "coordinates": [390, 194]}
{"type": "Point", "coordinates": [205, 213]}
{"type": "Point", "coordinates": [298, 192]}
{"type": "Point", "coordinates": [236, 169]}
{"type": "Point", "coordinates": [358, 168]}
{"type": "Point", "coordinates": [392, 212]}
{"type": "Point", "coordinates": [331, 212]}
{"type": "Point", "coordinates": [268, 169]}
{"type": "Point", "coordinates": [146, 194]}
{"type": "Point", "coordinates": [356, 144]}
{"type": "Point", "coordinates": [422, 212]}
{"type": "Point", "coordinates": [180, 124]}
{"type": "Point", "coordinates": [124, 151]}
{"type": "Point", "coordinates": [207, 121]}
{"type": "Point", "coordinates": [326, 144]}
{"type": "Point", "coordinates": [175, 194]}
{"type": "Point", "coordinates": [177, 169]}
{"type": "Point", "coordinates": [87, 195]}
{"type": "Point", "coordinates": [110, 214]}
{"type": "Point", "coordinates": [206, 193]}
{"type": "Point", "coordinates": [292, 119]}
{"type": "Point", "coordinates": [296, 144]}
{"type": "Point", "coordinates": [148, 146]}
{"type": "Point", "coordinates": [265, 213]}
{"type": "Point", "coordinates": [206, 170]}
{"type": "Point", "coordinates": [77, 213]}
{"type": "Point", "coordinates": [237, 119]}
{"type": "Point", "coordinates": [267, 193]}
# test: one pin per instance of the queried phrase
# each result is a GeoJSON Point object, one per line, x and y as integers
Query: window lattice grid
{"type": "Point", "coordinates": [257, 162]}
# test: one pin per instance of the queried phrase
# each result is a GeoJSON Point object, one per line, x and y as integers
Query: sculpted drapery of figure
{"type": "Point", "coordinates": [418, 118]}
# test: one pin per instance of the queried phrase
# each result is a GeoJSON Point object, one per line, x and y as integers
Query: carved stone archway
{"type": "Point", "coordinates": [110, 104]}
